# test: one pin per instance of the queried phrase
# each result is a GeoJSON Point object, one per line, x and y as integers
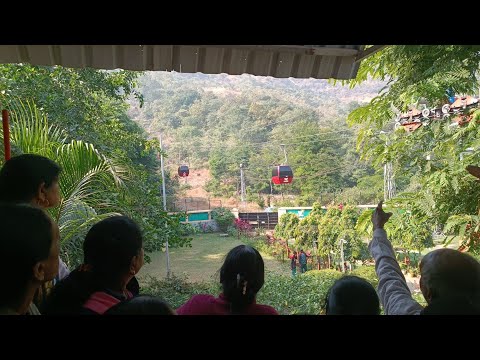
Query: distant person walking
{"type": "Point", "coordinates": [293, 263]}
{"type": "Point", "coordinates": [302, 259]}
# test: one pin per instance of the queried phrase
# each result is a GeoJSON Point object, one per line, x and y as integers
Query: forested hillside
{"type": "Point", "coordinates": [219, 121]}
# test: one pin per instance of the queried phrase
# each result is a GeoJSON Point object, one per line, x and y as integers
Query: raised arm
{"type": "Point", "coordinates": [393, 290]}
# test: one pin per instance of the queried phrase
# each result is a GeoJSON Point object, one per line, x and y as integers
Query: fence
{"type": "Point", "coordinates": [301, 212]}
{"type": "Point", "coordinates": [192, 204]}
{"type": "Point", "coordinates": [266, 220]}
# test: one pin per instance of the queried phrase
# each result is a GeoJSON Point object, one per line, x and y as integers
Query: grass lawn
{"type": "Point", "coordinates": [203, 260]}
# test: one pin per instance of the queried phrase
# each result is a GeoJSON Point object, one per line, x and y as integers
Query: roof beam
{"type": "Point", "coordinates": [299, 61]}
{"type": "Point", "coordinates": [300, 49]}
{"type": "Point", "coordinates": [370, 51]}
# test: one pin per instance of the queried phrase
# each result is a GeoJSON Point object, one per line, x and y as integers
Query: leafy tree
{"type": "Point", "coordinates": [430, 162]}
{"type": "Point", "coordinates": [328, 231]}
{"type": "Point", "coordinates": [408, 229]}
{"type": "Point", "coordinates": [287, 224]}
{"type": "Point", "coordinates": [306, 233]}
{"type": "Point", "coordinates": [223, 217]}
{"type": "Point", "coordinates": [85, 173]}
{"type": "Point", "coordinates": [90, 105]}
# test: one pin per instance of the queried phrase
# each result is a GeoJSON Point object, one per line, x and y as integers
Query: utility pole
{"type": "Point", "coordinates": [242, 186]}
{"type": "Point", "coordinates": [388, 181]}
{"type": "Point", "coordinates": [389, 188]}
{"type": "Point", "coordinates": [342, 241]}
{"type": "Point", "coordinates": [164, 194]}
{"type": "Point", "coordinates": [285, 153]}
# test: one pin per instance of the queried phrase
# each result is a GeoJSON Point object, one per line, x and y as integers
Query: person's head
{"type": "Point", "coordinates": [351, 295]}
{"type": "Point", "coordinates": [242, 275]}
{"type": "Point", "coordinates": [113, 249]}
{"type": "Point", "coordinates": [29, 247]}
{"type": "Point", "coordinates": [141, 305]}
{"type": "Point", "coordinates": [113, 254]}
{"type": "Point", "coordinates": [301, 250]}
{"type": "Point", "coordinates": [447, 273]}
{"type": "Point", "coordinates": [32, 179]}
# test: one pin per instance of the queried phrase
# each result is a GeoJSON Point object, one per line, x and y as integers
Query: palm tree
{"type": "Point", "coordinates": [86, 173]}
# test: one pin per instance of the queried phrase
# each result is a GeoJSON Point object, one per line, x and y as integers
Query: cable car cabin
{"type": "Point", "coordinates": [183, 171]}
{"type": "Point", "coordinates": [282, 174]}
{"type": "Point", "coordinates": [411, 120]}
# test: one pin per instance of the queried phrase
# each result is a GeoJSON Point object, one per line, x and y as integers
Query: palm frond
{"type": "Point", "coordinates": [85, 173]}
{"type": "Point", "coordinates": [30, 131]}
{"type": "Point", "coordinates": [76, 218]}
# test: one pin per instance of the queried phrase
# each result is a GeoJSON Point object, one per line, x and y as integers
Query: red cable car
{"type": "Point", "coordinates": [282, 174]}
{"type": "Point", "coordinates": [183, 171]}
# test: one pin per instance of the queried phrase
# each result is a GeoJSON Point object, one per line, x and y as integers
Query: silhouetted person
{"type": "Point", "coordinates": [29, 256]}
{"type": "Point", "coordinates": [141, 305]}
{"type": "Point", "coordinates": [351, 295]}
{"type": "Point", "coordinates": [242, 275]}
{"type": "Point", "coordinates": [113, 254]}
{"type": "Point", "coordinates": [33, 179]}
{"type": "Point", "coordinates": [302, 259]}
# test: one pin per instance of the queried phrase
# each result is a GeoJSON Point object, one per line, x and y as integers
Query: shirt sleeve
{"type": "Point", "coordinates": [393, 290]}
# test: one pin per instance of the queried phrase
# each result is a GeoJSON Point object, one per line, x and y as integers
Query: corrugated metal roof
{"type": "Point", "coordinates": [297, 61]}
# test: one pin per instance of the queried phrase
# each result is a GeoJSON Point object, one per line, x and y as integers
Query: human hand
{"type": "Point", "coordinates": [380, 217]}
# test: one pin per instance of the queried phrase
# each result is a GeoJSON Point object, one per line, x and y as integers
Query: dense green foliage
{"type": "Point", "coordinates": [223, 217]}
{"type": "Point", "coordinates": [429, 164]}
{"type": "Point", "coordinates": [322, 232]}
{"type": "Point", "coordinates": [287, 224]}
{"type": "Point", "coordinates": [90, 105]}
{"type": "Point", "coordinates": [176, 290]}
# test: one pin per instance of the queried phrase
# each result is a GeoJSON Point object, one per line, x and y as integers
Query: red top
{"type": "Point", "coordinates": [211, 305]}
{"type": "Point", "coordinates": [101, 301]}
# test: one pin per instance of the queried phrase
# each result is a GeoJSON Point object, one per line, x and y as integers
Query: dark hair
{"type": "Point", "coordinates": [449, 274]}
{"type": "Point", "coordinates": [108, 249]}
{"type": "Point", "coordinates": [141, 305]}
{"type": "Point", "coordinates": [243, 269]}
{"type": "Point", "coordinates": [21, 176]}
{"type": "Point", "coordinates": [351, 295]}
{"type": "Point", "coordinates": [26, 239]}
